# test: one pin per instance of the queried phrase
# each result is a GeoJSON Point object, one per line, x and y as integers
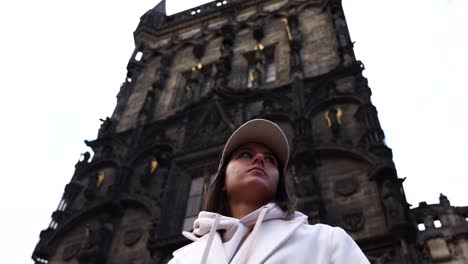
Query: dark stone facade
{"type": "Point", "coordinates": [196, 76]}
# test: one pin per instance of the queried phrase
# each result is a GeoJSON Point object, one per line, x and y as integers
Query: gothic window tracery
{"type": "Point", "coordinates": [198, 187]}
{"type": "Point", "coordinates": [195, 83]}
{"type": "Point", "coordinates": [261, 67]}
{"type": "Point", "coordinates": [193, 202]}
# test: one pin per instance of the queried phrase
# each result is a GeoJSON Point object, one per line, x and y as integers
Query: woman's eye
{"type": "Point", "coordinates": [246, 154]}
{"type": "Point", "coordinates": [271, 160]}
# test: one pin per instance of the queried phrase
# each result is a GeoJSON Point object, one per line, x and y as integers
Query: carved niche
{"type": "Point", "coordinates": [211, 128]}
{"type": "Point", "coordinates": [333, 117]}
{"type": "Point", "coordinates": [132, 236]}
{"type": "Point", "coordinates": [71, 251]}
{"type": "Point", "coordinates": [346, 187]}
{"type": "Point", "coordinates": [353, 220]}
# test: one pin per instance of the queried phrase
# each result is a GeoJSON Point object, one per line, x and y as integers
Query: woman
{"type": "Point", "coordinates": [249, 214]}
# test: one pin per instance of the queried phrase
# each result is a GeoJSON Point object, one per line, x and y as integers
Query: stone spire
{"type": "Point", "coordinates": [155, 17]}
{"type": "Point", "coordinates": [161, 7]}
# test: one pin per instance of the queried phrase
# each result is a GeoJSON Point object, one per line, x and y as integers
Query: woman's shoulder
{"type": "Point", "coordinates": [317, 229]}
{"type": "Point", "coordinates": [321, 232]}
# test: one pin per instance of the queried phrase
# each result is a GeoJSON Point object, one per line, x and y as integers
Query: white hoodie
{"type": "Point", "coordinates": [274, 239]}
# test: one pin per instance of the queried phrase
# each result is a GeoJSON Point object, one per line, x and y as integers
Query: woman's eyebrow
{"type": "Point", "coordinates": [244, 148]}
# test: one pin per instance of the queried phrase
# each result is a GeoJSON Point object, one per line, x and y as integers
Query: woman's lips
{"type": "Point", "coordinates": [258, 169]}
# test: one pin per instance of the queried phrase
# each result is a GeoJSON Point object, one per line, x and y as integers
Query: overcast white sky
{"type": "Point", "coordinates": [62, 62]}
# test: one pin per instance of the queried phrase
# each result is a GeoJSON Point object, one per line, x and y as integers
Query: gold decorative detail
{"type": "Point", "coordinates": [87, 231]}
{"type": "Point", "coordinates": [339, 114]}
{"type": "Point", "coordinates": [293, 172]}
{"type": "Point", "coordinates": [259, 46]}
{"type": "Point", "coordinates": [154, 166]}
{"type": "Point", "coordinates": [100, 178]}
{"type": "Point", "coordinates": [286, 26]}
{"type": "Point", "coordinates": [327, 117]}
{"type": "Point", "coordinates": [251, 75]}
{"type": "Point", "coordinates": [198, 67]}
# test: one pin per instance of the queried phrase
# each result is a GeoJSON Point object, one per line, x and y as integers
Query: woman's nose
{"type": "Point", "coordinates": [259, 158]}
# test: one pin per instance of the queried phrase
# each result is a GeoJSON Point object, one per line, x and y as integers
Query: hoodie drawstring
{"type": "Point", "coordinates": [210, 239]}
{"type": "Point", "coordinates": [246, 251]}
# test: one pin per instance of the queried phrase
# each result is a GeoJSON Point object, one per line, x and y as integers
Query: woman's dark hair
{"type": "Point", "coordinates": [216, 199]}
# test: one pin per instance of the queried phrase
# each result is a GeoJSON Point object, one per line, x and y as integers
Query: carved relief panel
{"type": "Point", "coordinates": [129, 243]}
{"type": "Point", "coordinates": [350, 198]}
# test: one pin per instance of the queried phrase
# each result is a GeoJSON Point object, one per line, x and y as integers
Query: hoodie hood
{"type": "Point", "coordinates": [232, 230]}
{"type": "Point", "coordinates": [229, 225]}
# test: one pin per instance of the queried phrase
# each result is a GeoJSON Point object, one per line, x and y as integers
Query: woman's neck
{"type": "Point", "coordinates": [239, 210]}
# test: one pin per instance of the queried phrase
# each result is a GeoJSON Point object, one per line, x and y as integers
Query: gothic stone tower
{"type": "Point", "coordinates": [192, 79]}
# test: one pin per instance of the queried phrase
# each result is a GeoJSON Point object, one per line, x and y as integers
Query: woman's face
{"type": "Point", "coordinates": [252, 174]}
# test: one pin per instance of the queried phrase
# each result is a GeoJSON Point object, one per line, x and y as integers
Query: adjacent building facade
{"type": "Point", "coordinates": [193, 78]}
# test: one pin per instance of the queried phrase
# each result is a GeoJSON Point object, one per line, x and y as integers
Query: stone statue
{"type": "Point", "coordinates": [150, 168]}
{"type": "Point", "coordinates": [98, 238]}
{"type": "Point", "coordinates": [258, 31]}
{"type": "Point", "coordinates": [444, 201]}
{"type": "Point", "coordinates": [256, 74]}
{"type": "Point", "coordinates": [194, 86]}
{"type": "Point", "coordinates": [147, 110]}
{"type": "Point", "coordinates": [86, 156]}
{"type": "Point", "coordinates": [333, 117]}
{"type": "Point", "coordinates": [391, 199]}
{"type": "Point", "coordinates": [106, 128]}
{"type": "Point", "coordinates": [122, 97]}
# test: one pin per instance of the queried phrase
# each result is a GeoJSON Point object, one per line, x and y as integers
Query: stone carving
{"type": "Point", "coordinates": [71, 251]}
{"type": "Point", "coordinates": [152, 233]}
{"type": "Point", "coordinates": [209, 129]}
{"type": "Point", "coordinates": [107, 127]}
{"type": "Point", "coordinates": [98, 238]}
{"type": "Point", "coordinates": [305, 183]}
{"type": "Point", "coordinates": [122, 98]}
{"type": "Point", "coordinates": [132, 236]}
{"type": "Point", "coordinates": [391, 198]}
{"type": "Point", "coordinates": [194, 85]}
{"type": "Point", "coordinates": [268, 106]}
{"type": "Point", "coordinates": [333, 118]}
{"type": "Point", "coordinates": [154, 17]}
{"type": "Point", "coordinates": [444, 201]}
{"type": "Point", "coordinates": [162, 73]}
{"type": "Point", "coordinates": [385, 258]}
{"type": "Point", "coordinates": [345, 46]}
{"type": "Point", "coordinates": [90, 191]}
{"type": "Point", "coordinates": [86, 156]}
{"type": "Point", "coordinates": [150, 168]}
{"type": "Point", "coordinates": [223, 65]}
{"type": "Point", "coordinates": [346, 187]}
{"type": "Point", "coordinates": [181, 134]}
{"type": "Point", "coordinates": [305, 186]}
{"type": "Point", "coordinates": [258, 29]}
{"type": "Point", "coordinates": [199, 48]}
{"type": "Point", "coordinates": [147, 109]}
{"type": "Point", "coordinates": [257, 68]}
{"type": "Point", "coordinates": [295, 42]}
{"type": "Point", "coordinates": [353, 220]}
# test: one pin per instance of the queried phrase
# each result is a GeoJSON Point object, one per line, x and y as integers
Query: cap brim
{"type": "Point", "coordinates": [259, 131]}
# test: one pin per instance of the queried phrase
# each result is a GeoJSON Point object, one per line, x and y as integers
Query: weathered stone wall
{"type": "Point", "coordinates": [319, 55]}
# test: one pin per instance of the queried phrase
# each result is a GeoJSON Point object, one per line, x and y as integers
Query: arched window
{"type": "Point", "coordinates": [193, 203]}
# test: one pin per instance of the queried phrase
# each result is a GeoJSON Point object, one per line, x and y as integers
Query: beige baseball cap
{"type": "Point", "coordinates": [259, 131]}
